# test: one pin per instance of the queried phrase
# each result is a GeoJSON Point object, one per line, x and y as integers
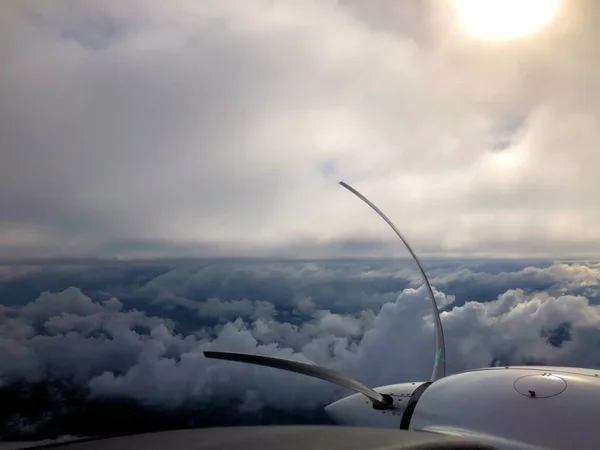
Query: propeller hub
{"type": "Point", "coordinates": [356, 410]}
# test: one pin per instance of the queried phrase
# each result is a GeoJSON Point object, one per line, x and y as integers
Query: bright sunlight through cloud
{"type": "Point", "coordinates": [505, 19]}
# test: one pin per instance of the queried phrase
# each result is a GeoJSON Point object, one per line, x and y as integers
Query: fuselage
{"type": "Point", "coordinates": [548, 407]}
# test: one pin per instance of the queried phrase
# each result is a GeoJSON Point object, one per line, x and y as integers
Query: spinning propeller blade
{"type": "Point", "coordinates": [383, 401]}
{"type": "Point", "coordinates": [439, 363]}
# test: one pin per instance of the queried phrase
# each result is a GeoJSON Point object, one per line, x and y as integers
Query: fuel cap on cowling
{"type": "Point", "coordinates": [540, 386]}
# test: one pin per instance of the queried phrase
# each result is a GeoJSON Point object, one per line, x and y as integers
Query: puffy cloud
{"type": "Point", "coordinates": [214, 308]}
{"type": "Point", "coordinates": [558, 279]}
{"type": "Point", "coordinates": [220, 127]}
{"type": "Point", "coordinates": [115, 350]}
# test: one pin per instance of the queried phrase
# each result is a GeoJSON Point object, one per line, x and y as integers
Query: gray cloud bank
{"type": "Point", "coordinates": [139, 349]}
{"type": "Point", "coordinates": [147, 128]}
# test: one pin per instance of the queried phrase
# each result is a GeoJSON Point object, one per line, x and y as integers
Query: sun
{"type": "Point", "coordinates": [505, 19]}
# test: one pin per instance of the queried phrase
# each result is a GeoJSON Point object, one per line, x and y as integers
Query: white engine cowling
{"type": "Point", "coordinates": [552, 407]}
{"type": "Point", "coordinates": [509, 407]}
{"type": "Point", "coordinates": [356, 410]}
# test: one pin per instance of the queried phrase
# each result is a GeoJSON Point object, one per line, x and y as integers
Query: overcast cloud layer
{"type": "Point", "coordinates": [146, 128]}
{"type": "Point", "coordinates": [142, 334]}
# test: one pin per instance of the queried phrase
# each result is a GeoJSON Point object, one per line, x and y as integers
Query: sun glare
{"type": "Point", "coordinates": [505, 19]}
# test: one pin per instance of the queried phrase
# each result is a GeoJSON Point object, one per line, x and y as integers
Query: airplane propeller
{"type": "Point", "coordinates": [379, 400]}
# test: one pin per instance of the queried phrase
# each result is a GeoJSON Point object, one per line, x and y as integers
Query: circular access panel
{"type": "Point", "coordinates": [540, 386]}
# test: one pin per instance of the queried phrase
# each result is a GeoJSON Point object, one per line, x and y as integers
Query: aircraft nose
{"type": "Point", "coordinates": [346, 410]}
{"type": "Point", "coordinates": [357, 410]}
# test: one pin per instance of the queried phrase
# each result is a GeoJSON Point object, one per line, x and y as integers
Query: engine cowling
{"type": "Point", "coordinates": [356, 410]}
{"type": "Point", "coordinates": [551, 407]}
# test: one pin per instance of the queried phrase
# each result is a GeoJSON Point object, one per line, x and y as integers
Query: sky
{"type": "Point", "coordinates": [145, 129]}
